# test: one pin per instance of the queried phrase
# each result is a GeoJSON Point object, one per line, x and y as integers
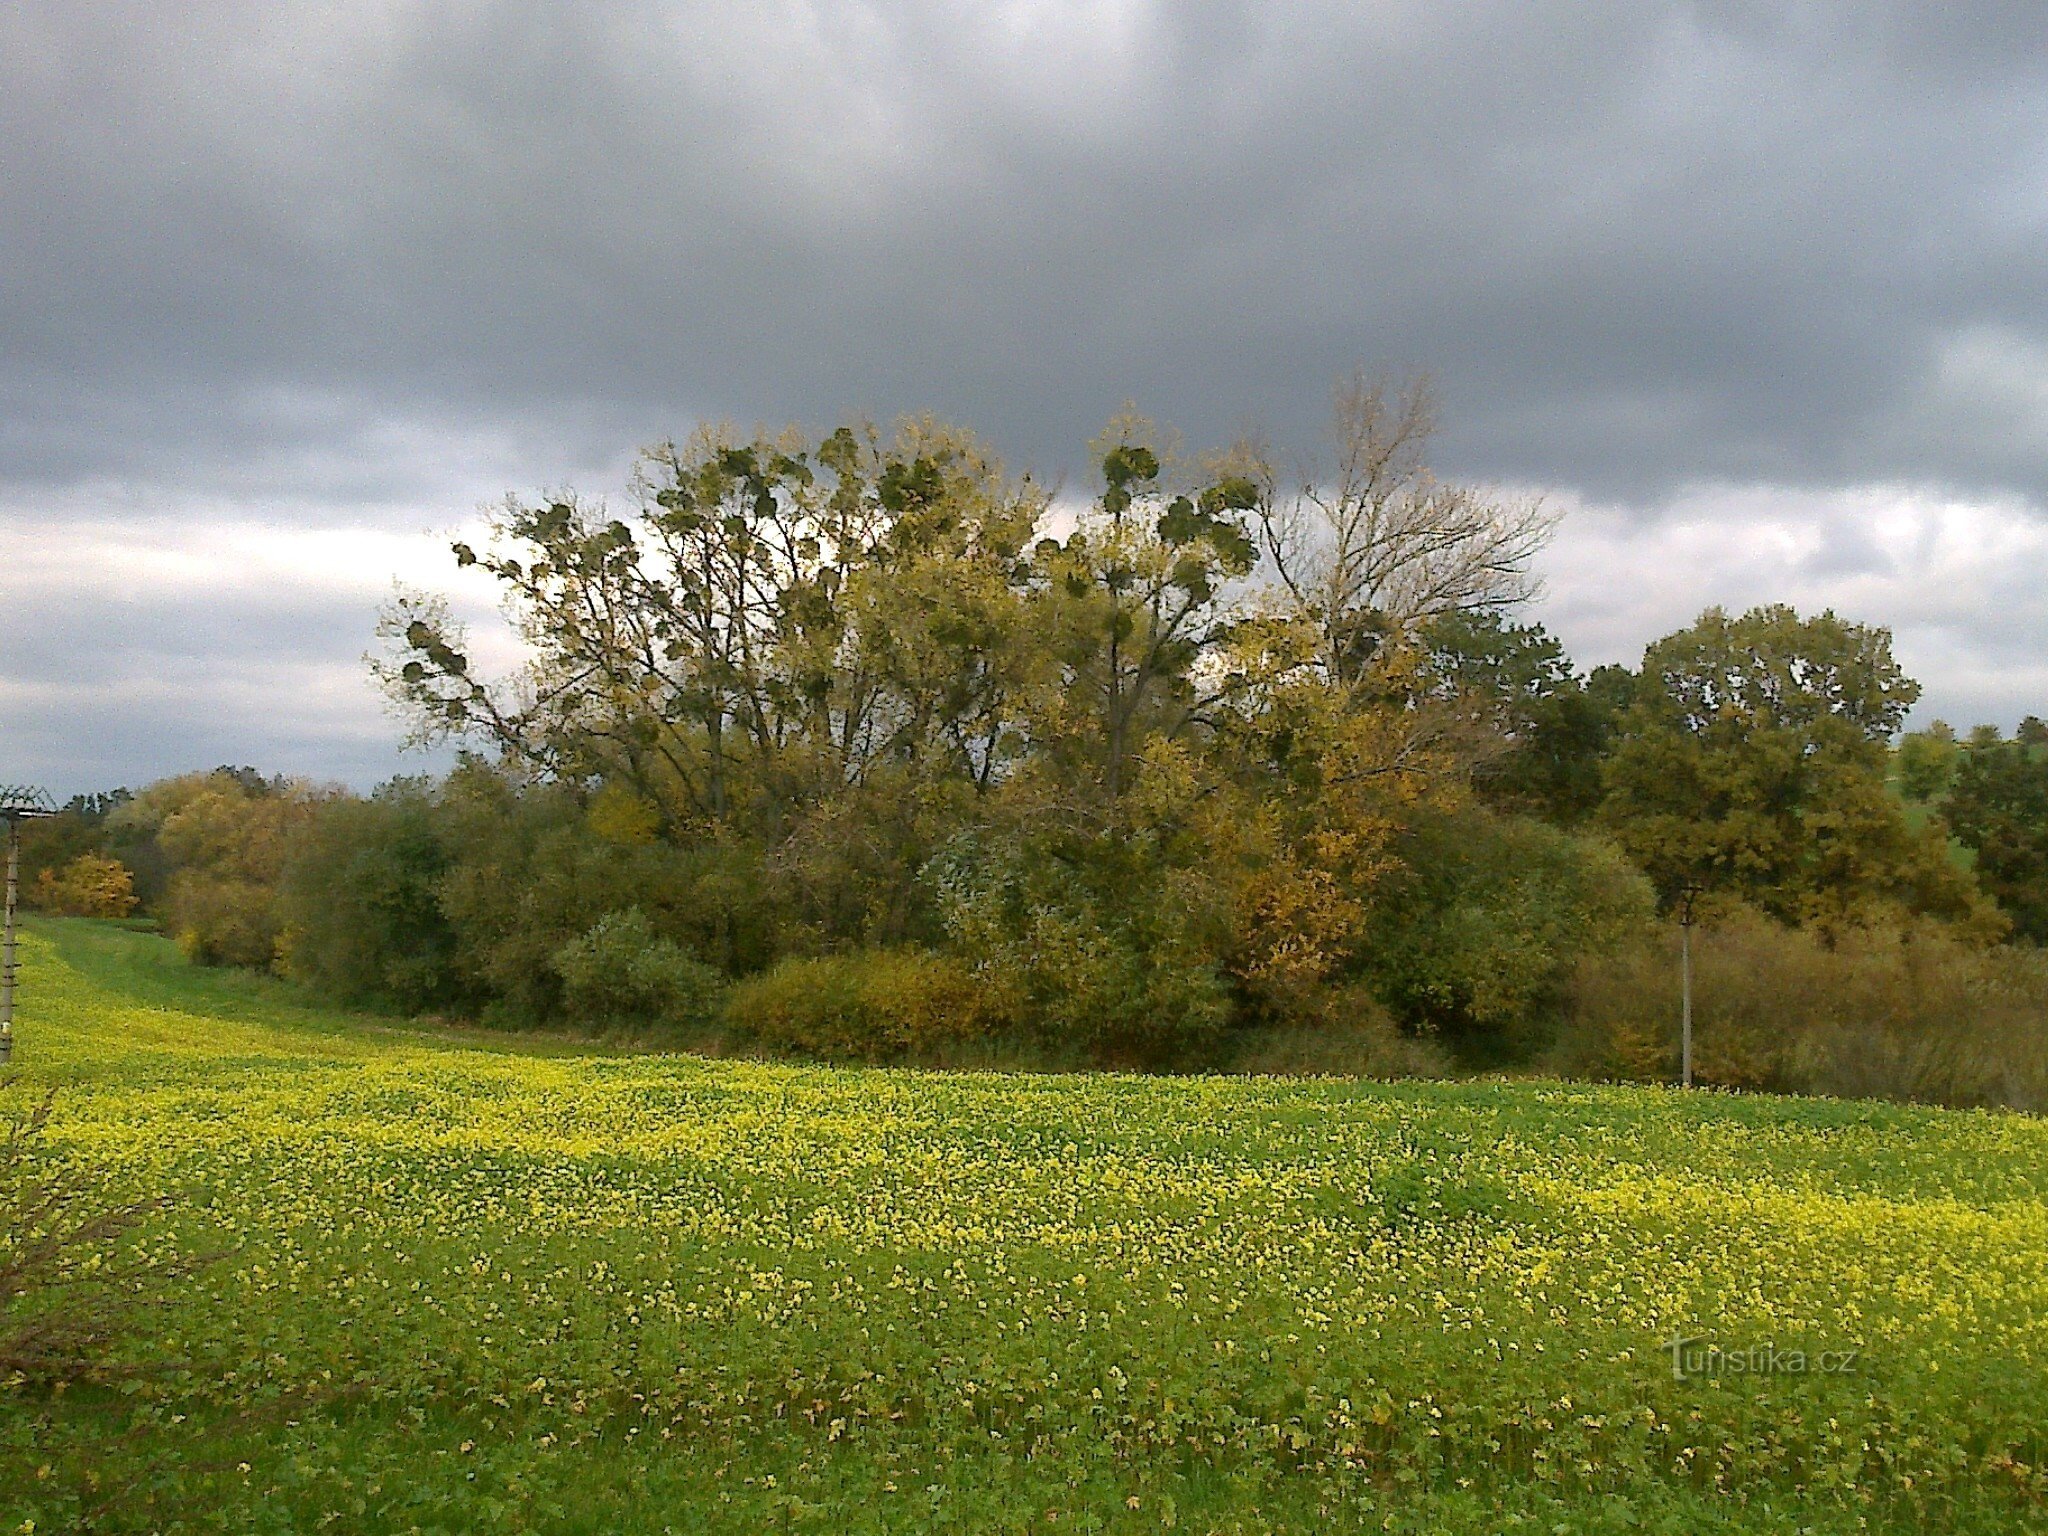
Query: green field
{"type": "Point", "coordinates": [485, 1284]}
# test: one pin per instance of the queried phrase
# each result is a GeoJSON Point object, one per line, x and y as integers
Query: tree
{"type": "Point", "coordinates": [758, 632]}
{"type": "Point", "coordinates": [1926, 762]}
{"type": "Point", "coordinates": [622, 973]}
{"type": "Point", "coordinates": [224, 838]}
{"type": "Point", "coordinates": [1135, 602]}
{"type": "Point", "coordinates": [1540, 731]}
{"type": "Point", "coordinates": [790, 655]}
{"type": "Point", "coordinates": [1753, 760]}
{"type": "Point", "coordinates": [1370, 547]}
{"type": "Point", "coordinates": [1112, 934]}
{"type": "Point", "coordinates": [1477, 935]}
{"type": "Point", "coordinates": [1998, 808]}
{"type": "Point", "coordinates": [360, 902]}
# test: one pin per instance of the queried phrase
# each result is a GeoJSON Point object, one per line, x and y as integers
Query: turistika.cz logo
{"type": "Point", "coordinates": [1696, 1357]}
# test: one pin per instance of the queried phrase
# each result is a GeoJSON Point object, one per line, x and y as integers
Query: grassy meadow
{"type": "Point", "coordinates": [479, 1283]}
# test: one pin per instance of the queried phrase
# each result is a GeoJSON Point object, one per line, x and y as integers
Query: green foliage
{"type": "Point", "coordinates": [361, 901]}
{"type": "Point", "coordinates": [222, 920]}
{"type": "Point", "coordinates": [1131, 605]}
{"type": "Point", "coordinates": [621, 972]}
{"type": "Point", "coordinates": [526, 876]}
{"type": "Point", "coordinates": [847, 873]}
{"type": "Point", "coordinates": [773, 620]}
{"type": "Point", "coordinates": [1998, 808]}
{"type": "Point", "coordinates": [798, 676]}
{"type": "Point", "coordinates": [1752, 762]}
{"type": "Point", "coordinates": [1132, 990]}
{"type": "Point", "coordinates": [1926, 762]}
{"type": "Point", "coordinates": [1478, 937]}
{"type": "Point", "coordinates": [1347, 1032]}
{"type": "Point", "coordinates": [1076, 931]}
{"type": "Point", "coordinates": [1769, 669]}
{"type": "Point", "coordinates": [875, 1005]}
{"type": "Point", "coordinates": [1549, 728]}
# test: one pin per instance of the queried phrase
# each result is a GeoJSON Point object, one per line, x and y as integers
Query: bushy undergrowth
{"type": "Point", "coordinates": [1196, 938]}
{"type": "Point", "coordinates": [91, 885]}
{"type": "Point", "coordinates": [1476, 937]}
{"type": "Point", "coordinates": [1885, 1010]}
{"type": "Point", "coordinates": [622, 973]}
{"type": "Point", "coordinates": [1350, 1035]}
{"type": "Point", "coordinates": [874, 1005]}
{"type": "Point", "coordinates": [1111, 951]}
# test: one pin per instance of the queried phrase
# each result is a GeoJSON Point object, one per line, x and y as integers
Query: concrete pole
{"type": "Point", "coordinates": [1685, 994]}
{"type": "Point", "coordinates": [7, 945]}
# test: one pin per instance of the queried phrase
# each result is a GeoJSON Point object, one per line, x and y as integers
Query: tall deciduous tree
{"type": "Point", "coordinates": [1753, 761]}
{"type": "Point", "coordinates": [1540, 731]}
{"type": "Point", "coordinates": [1135, 600]}
{"type": "Point", "coordinates": [1998, 807]}
{"type": "Point", "coordinates": [1370, 546]}
{"type": "Point", "coordinates": [769, 623]}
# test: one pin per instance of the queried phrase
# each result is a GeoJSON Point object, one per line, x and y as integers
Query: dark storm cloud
{"type": "Point", "coordinates": [1641, 243]}
{"type": "Point", "coordinates": [278, 267]}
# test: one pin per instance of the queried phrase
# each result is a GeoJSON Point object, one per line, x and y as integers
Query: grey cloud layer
{"type": "Point", "coordinates": [1641, 242]}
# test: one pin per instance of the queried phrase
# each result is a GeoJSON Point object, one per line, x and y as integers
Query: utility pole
{"type": "Point", "coordinates": [18, 803]}
{"type": "Point", "coordinates": [1685, 900]}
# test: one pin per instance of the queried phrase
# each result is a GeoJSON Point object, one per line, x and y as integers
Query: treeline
{"type": "Point", "coordinates": [858, 747]}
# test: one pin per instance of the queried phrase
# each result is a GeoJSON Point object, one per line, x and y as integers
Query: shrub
{"type": "Point", "coordinates": [1098, 950]}
{"type": "Point", "coordinates": [872, 1005]}
{"type": "Point", "coordinates": [1100, 984]}
{"type": "Point", "coordinates": [1897, 1009]}
{"type": "Point", "coordinates": [223, 839]}
{"type": "Point", "coordinates": [91, 885]}
{"type": "Point", "coordinates": [528, 874]}
{"type": "Point", "coordinates": [361, 902]}
{"type": "Point", "coordinates": [1350, 1034]}
{"type": "Point", "coordinates": [222, 920]}
{"type": "Point", "coordinates": [621, 972]}
{"type": "Point", "coordinates": [73, 1280]}
{"type": "Point", "coordinates": [1478, 937]}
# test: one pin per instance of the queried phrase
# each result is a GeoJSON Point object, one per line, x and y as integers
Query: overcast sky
{"type": "Point", "coordinates": [1757, 292]}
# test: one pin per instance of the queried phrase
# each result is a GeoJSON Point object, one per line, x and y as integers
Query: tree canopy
{"type": "Point", "coordinates": [897, 748]}
{"type": "Point", "coordinates": [1753, 760]}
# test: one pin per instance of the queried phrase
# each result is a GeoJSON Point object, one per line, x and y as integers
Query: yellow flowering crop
{"type": "Point", "coordinates": [1365, 1286]}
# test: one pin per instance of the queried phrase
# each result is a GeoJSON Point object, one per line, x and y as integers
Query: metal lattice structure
{"type": "Point", "coordinates": [18, 803]}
